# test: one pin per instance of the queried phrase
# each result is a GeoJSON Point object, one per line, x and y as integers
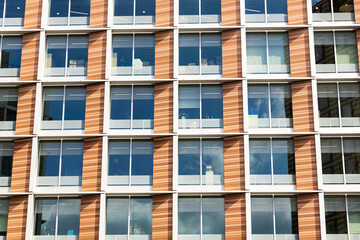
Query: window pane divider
{"type": "Point", "coordinates": [130, 159]}
{"type": "Point", "coordinates": [63, 110]}
{"type": "Point", "coordinates": [265, 11]}
{"type": "Point", "coordinates": [267, 50]}
{"type": "Point", "coordinates": [132, 106]}
{"type": "Point", "coordinates": [200, 68]}
{"type": "Point", "coordinates": [60, 160]}
{"type": "Point", "coordinates": [200, 19]}
{"type": "Point", "coordinates": [200, 122]}
{"type": "Point", "coordinates": [57, 217]}
{"type": "Point", "coordinates": [66, 55]}
{"type": "Point", "coordinates": [343, 158]}
{"type": "Point", "coordinates": [269, 98]}
{"type": "Point", "coordinates": [134, 13]}
{"type": "Point", "coordinates": [347, 217]}
{"type": "Point", "coordinates": [332, 11]}
{"type": "Point", "coordinates": [129, 215]}
{"type": "Point", "coordinates": [4, 17]}
{"type": "Point", "coordinates": [201, 152]}
{"type": "Point", "coordinates": [271, 161]}
{"type": "Point", "coordinates": [274, 219]}
{"type": "Point", "coordinates": [335, 51]}
{"type": "Point", "coordinates": [339, 103]}
{"type": "Point", "coordinates": [69, 10]}
{"type": "Point", "coordinates": [133, 55]}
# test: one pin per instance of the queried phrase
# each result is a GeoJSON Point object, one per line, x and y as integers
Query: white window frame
{"type": "Point", "coordinates": [332, 15]}
{"type": "Point", "coordinates": [266, 16]}
{"type": "Point", "coordinates": [134, 16]}
{"type": "Point", "coordinates": [68, 16]}
{"type": "Point", "coordinates": [199, 15]}
{"type": "Point", "coordinates": [1, 49]}
{"type": "Point", "coordinates": [4, 17]}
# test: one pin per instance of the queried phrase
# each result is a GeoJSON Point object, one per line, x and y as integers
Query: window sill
{"type": "Point", "coordinates": [272, 188]}
{"type": "Point", "coordinates": [342, 188]}
{"type": "Point", "coordinates": [129, 189]}
{"type": "Point", "coordinates": [200, 188]}
{"type": "Point", "coordinates": [57, 189]}
{"type": "Point", "coordinates": [61, 133]}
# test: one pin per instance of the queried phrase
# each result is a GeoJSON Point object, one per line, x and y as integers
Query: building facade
{"type": "Point", "coordinates": [180, 119]}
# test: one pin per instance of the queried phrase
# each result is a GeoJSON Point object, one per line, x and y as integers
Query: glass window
{"type": "Point", "coordinates": [274, 10]}
{"type": "Point", "coordinates": [132, 107]}
{"type": "Point", "coordinates": [63, 108]}
{"type": "Point", "coordinates": [14, 13]}
{"type": "Point", "coordinates": [204, 99]}
{"type": "Point", "coordinates": [272, 162]}
{"type": "Point", "coordinates": [267, 53]}
{"type": "Point", "coordinates": [66, 56]}
{"type": "Point", "coordinates": [11, 48]}
{"type": "Point", "coordinates": [342, 217]}
{"type": "Point", "coordinates": [8, 108]}
{"type": "Point", "coordinates": [336, 52]}
{"type": "Point", "coordinates": [60, 163]}
{"type": "Point", "coordinates": [69, 12]}
{"type": "Point", "coordinates": [201, 213]}
{"type": "Point", "coordinates": [137, 12]}
{"type": "Point", "coordinates": [270, 106]}
{"type": "Point", "coordinates": [6, 160]}
{"type": "Point", "coordinates": [201, 162]}
{"type": "Point", "coordinates": [189, 11]}
{"type": "Point", "coordinates": [204, 47]}
{"type": "Point", "coordinates": [333, 95]}
{"type": "Point", "coordinates": [57, 218]}
{"type": "Point", "coordinates": [4, 211]}
{"type": "Point", "coordinates": [130, 162]}
{"type": "Point", "coordinates": [339, 156]}
{"type": "Point", "coordinates": [133, 55]}
{"type": "Point", "coordinates": [274, 216]}
{"type": "Point", "coordinates": [332, 10]}
{"type": "Point", "coordinates": [129, 218]}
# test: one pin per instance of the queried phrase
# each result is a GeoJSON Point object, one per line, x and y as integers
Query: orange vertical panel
{"type": "Point", "coordinates": [32, 18]}
{"type": "Point", "coordinates": [98, 13]}
{"type": "Point", "coordinates": [20, 176]}
{"type": "Point", "coordinates": [30, 57]}
{"type": "Point", "coordinates": [163, 107]}
{"type": "Point", "coordinates": [164, 54]}
{"type": "Point", "coordinates": [16, 229]}
{"type": "Point", "coordinates": [231, 54]}
{"type": "Point", "coordinates": [162, 217]}
{"type": "Point", "coordinates": [164, 13]}
{"type": "Point", "coordinates": [89, 217]}
{"type": "Point", "coordinates": [25, 110]}
{"type": "Point", "coordinates": [305, 163]}
{"type": "Point", "coordinates": [233, 107]}
{"type": "Point", "coordinates": [230, 13]}
{"type": "Point", "coordinates": [308, 217]}
{"type": "Point", "coordinates": [302, 105]}
{"type": "Point", "coordinates": [297, 12]}
{"type": "Point", "coordinates": [91, 177]}
{"type": "Point", "coordinates": [94, 112]}
{"type": "Point", "coordinates": [299, 53]}
{"type": "Point", "coordinates": [235, 217]}
{"type": "Point", "coordinates": [234, 171]}
{"type": "Point", "coordinates": [357, 11]}
{"type": "Point", "coordinates": [97, 56]}
{"type": "Point", "coordinates": [163, 164]}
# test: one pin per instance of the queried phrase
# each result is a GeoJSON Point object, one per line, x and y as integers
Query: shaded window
{"type": "Point", "coordinates": [132, 107]}
{"type": "Point", "coordinates": [130, 162]}
{"type": "Point", "coordinates": [270, 106]}
{"type": "Point", "coordinates": [332, 10]}
{"type": "Point", "coordinates": [260, 11]}
{"type": "Point", "coordinates": [200, 54]}
{"type": "Point", "coordinates": [60, 163]}
{"type": "Point", "coordinates": [201, 162]}
{"type": "Point", "coordinates": [66, 56]}
{"type": "Point", "coordinates": [210, 11]}
{"type": "Point", "coordinates": [6, 161]}
{"type": "Point", "coordinates": [4, 211]}
{"type": "Point", "coordinates": [63, 108]}
{"type": "Point", "coordinates": [14, 13]}
{"type": "Point", "coordinates": [69, 12]}
{"type": "Point", "coordinates": [8, 108]}
{"type": "Point", "coordinates": [267, 53]}
{"type": "Point", "coordinates": [272, 162]}
{"type": "Point", "coordinates": [133, 55]}
{"type": "Point", "coordinates": [11, 48]}
{"type": "Point", "coordinates": [129, 12]}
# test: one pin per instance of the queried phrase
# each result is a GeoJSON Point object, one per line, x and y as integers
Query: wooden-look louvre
{"type": "Point", "coordinates": [91, 177]}
{"type": "Point", "coordinates": [164, 54]}
{"type": "Point", "coordinates": [94, 112]}
{"type": "Point", "coordinates": [164, 15]}
{"type": "Point", "coordinates": [299, 53]}
{"type": "Point", "coordinates": [163, 107]}
{"type": "Point", "coordinates": [231, 54]}
{"type": "Point", "coordinates": [32, 18]}
{"type": "Point", "coordinates": [25, 110]}
{"type": "Point", "coordinates": [233, 107]}
{"type": "Point", "coordinates": [230, 13]}
{"type": "Point", "coordinates": [98, 13]}
{"type": "Point", "coordinates": [357, 11]}
{"type": "Point", "coordinates": [308, 217]}
{"type": "Point", "coordinates": [235, 217]}
{"type": "Point", "coordinates": [30, 57]}
{"type": "Point", "coordinates": [163, 164]}
{"type": "Point", "coordinates": [16, 228]}
{"type": "Point", "coordinates": [162, 217]}
{"type": "Point", "coordinates": [21, 165]}
{"type": "Point", "coordinates": [297, 12]}
{"type": "Point", "coordinates": [97, 56]}
{"type": "Point", "coordinates": [305, 163]}
{"type": "Point", "coordinates": [89, 217]}
{"type": "Point", "coordinates": [234, 171]}
{"type": "Point", "coordinates": [302, 105]}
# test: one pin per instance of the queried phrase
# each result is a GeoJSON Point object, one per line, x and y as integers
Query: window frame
{"type": "Point", "coordinates": [199, 15]}
{"type": "Point", "coordinates": [266, 16]}
{"type": "Point", "coordinates": [2, 37]}
{"type": "Point", "coordinates": [7, 107]}
{"type": "Point", "coordinates": [68, 17]}
{"type": "Point", "coordinates": [12, 159]}
{"type": "Point", "coordinates": [133, 16]}
{"type": "Point", "coordinates": [4, 16]}
{"type": "Point", "coordinates": [332, 13]}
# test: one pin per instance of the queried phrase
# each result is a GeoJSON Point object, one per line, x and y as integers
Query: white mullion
{"type": "Point", "coordinates": [68, 19]}
{"type": "Point", "coordinates": [129, 213]}
{"type": "Point", "coordinates": [248, 216]}
{"type": "Point", "coordinates": [63, 110]}
{"type": "Point", "coordinates": [318, 161]}
{"type": "Point", "coordinates": [60, 159]}
{"type": "Point", "coordinates": [322, 216]}
{"type": "Point", "coordinates": [271, 161]}
{"type": "Point", "coordinates": [4, 17]}
{"type": "Point", "coordinates": [339, 103]}
{"type": "Point", "coordinates": [332, 11]}
{"type": "Point", "coordinates": [102, 220]}
{"type": "Point", "coordinates": [201, 180]}
{"type": "Point", "coordinates": [130, 159]}
{"type": "Point", "coordinates": [200, 12]}
{"type": "Point", "coordinates": [247, 161]}
{"type": "Point", "coordinates": [274, 223]}
{"type": "Point", "coordinates": [200, 68]}
{"type": "Point", "coordinates": [347, 217]}
{"type": "Point", "coordinates": [201, 217]}
{"type": "Point", "coordinates": [265, 10]}
{"type": "Point", "coordinates": [132, 106]}
{"type": "Point", "coordinates": [267, 52]}
{"type": "Point", "coordinates": [245, 105]}
{"type": "Point", "coordinates": [343, 158]}
{"type": "Point", "coordinates": [57, 216]}
{"type": "Point", "coordinates": [105, 162]}
{"type": "Point", "coordinates": [269, 100]}
{"type": "Point", "coordinates": [66, 54]}
{"type": "Point", "coordinates": [200, 118]}
{"type": "Point", "coordinates": [335, 54]}
{"type": "Point", "coordinates": [134, 12]}
{"type": "Point", "coordinates": [133, 55]}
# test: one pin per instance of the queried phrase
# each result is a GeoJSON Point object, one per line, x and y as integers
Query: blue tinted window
{"type": "Point", "coordinates": [142, 161]}
{"type": "Point", "coordinates": [188, 7]}
{"type": "Point", "coordinates": [117, 212]}
{"type": "Point", "coordinates": [71, 162]}
{"type": "Point", "coordinates": [189, 216]}
{"type": "Point", "coordinates": [1, 11]}
{"type": "Point", "coordinates": [122, 55]}
{"type": "Point", "coordinates": [49, 160]}
{"type": "Point", "coordinates": [53, 105]}
{"type": "Point", "coordinates": [79, 12]}
{"type": "Point", "coordinates": [212, 162]}
{"type": "Point", "coordinates": [55, 55]}
{"type": "Point", "coordinates": [281, 104]}
{"type": "Point", "coordinates": [144, 54]}
{"type": "Point", "coordinates": [119, 158]}
{"type": "Point", "coordinates": [258, 106]}
{"type": "Point", "coordinates": [145, 11]}
{"type": "Point", "coordinates": [274, 11]}
{"type": "Point", "coordinates": [210, 11]}
{"type": "Point", "coordinates": [189, 54]}
{"type": "Point", "coordinates": [211, 54]}
{"type": "Point", "coordinates": [8, 108]}
{"type": "Point", "coordinates": [59, 11]}
{"type": "Point", "coordinates": [260, 157]}
{"type": "Point", "coordinates": [255, 10]}
{"type": "Point", "coordinates": [11, 56]}
{"type": "Point", "coordinates": [143, 106]}
{"type": "Point", "coordinates": [74, 116]}
{"type": "Point", "coordinates": [124, 8]}
{"type": "Point", "coordinates": [189, 162]}
{"type": "Point", "coordinates": [189, 107]}
{"type": "Point", "coordinates": [14, 15]}
{"type": "Point", "coordinates": [78, 55]}
{"type": "Point", "coordinates": [262, 221]}
{"type": "Point", "coordinates": [121, 103]}
{"type": "Point", "coordinates": [211, 106]}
